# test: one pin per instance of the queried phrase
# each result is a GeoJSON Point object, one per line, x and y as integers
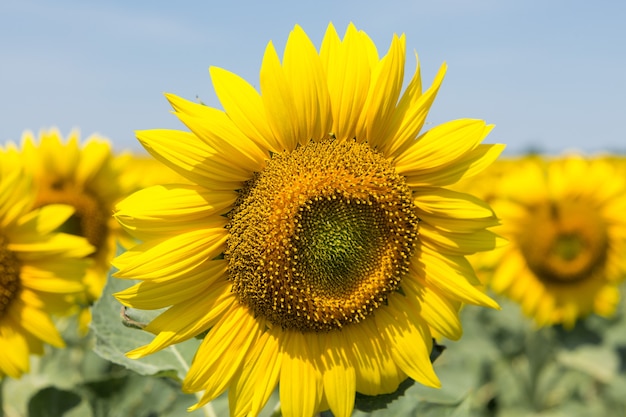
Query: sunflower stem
{"type": "Point", "coordinates": [208, 408]}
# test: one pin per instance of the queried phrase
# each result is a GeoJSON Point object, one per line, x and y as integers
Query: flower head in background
{"type": "Point", "coordinates": [41, 270]}
{"type": "Point", "coordinates": [88, 177]}
{"type": "Point", "coordinates": [564, 218]}
{"type": "Point", "coordinates": [316, 240]}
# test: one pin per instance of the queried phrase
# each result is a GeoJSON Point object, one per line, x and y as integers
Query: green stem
{"type": "Point", "coordinates": [207, 409]}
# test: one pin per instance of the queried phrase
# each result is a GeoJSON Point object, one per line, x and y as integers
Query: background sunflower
{"type": "Point", "coordinates": [41, 270]}
{"type": "Point", "coordinates": [88, 177]}
{"type": "Point", "coordinates": [562, 217]}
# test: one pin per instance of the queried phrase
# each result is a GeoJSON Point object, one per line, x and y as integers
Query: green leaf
{"type": "Point", "coordinates": [115, 337]}
{"type": "Point", "coordinates": [62, 368]}
{"type": "Point", "coordinates": [130, 394]}
{"type": "Point", "coordinates": [425, 409]}
{"type": "Point", "coordinates": [52, 402]}
{"type": "Point", "coordinates": [599, 362]}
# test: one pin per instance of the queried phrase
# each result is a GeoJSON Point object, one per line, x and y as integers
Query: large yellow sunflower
{"type": "Point", "coordinates": [87, 177]}
{"type": "Point", "coordinates": [564, 218]}
{"type": "Point", "coordinates": [317, 243]}
{"type": "Point", "coordinates": [41, 270]}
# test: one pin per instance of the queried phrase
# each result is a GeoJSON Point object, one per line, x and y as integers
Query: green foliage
{"type": "Point", "coordinates": [116, 332]}
{"type": "Point", "coordinates": [514, 369]}
{"type": "Point", "coordinates": [501, 367]}
{"type": "Point", "coordinates": [52, 402]}
{"type": "Point", "coordinates": [505, 367]}
{"type": "Point", "coordinates": [75, 382]}
{"type": "Point", "coordinates": [92, 377]}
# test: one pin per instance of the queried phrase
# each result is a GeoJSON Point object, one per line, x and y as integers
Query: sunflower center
{"type": "Point", "coordinates": [321, 236]}
{"type": "Point", "coordinates": [336, 238]}
{"type": "Point", "coordinates": [565, 242]}
{"type": "Point", "coordinates": [89, 219]}
{"type": "Point", "coordinates": [9, 277]}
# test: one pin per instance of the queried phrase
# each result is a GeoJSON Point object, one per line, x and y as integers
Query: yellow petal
{"type": "Point", "coordinates": [507, 271]}
{"type": "Point", "coordinates": [376, 372]}
{"type": "Point", "coordinates": [173, 209]}
{"type": "Point", "coordinates": [451, 224]}
{"type": "Point", "coordinates": [36, 322]}
{"type": "Point", "coordinates": [452, 211]}
{"type": "Point", "coordinates": [412, 111]}
{"type": "Point", "coordinates": [439, 311]}
{"type": "Point", "coordinates": [14, 359]}
{"type": "Point", "coordinates": [191, 158]}
{"type": "Point", "coordinates": [181, 322]}
{"type": "Point", "coordinates": [303, 70]}
{"type": "Point", "coordinates": [243, 104]}
{"type": "Point", "coordinates": [91, 159]}
{"type": "Point", "coordinates": [300, 382]}
{"type": "Point", "coordinates": [375, 125]}
{"type": "Point", "coordinates": [451, 203]}
{"type": "Point", "coordinates": [222, 352]}
{"type": "Point", "coordinates": [47, 218]}
{"type": "Point", "coordinates": [16, 197]}
{"type": "Point", "coordinates": [177, 254]}
{"type": "Point", "coordinates": [441, 145]}
{"type": "Point", "coordinates": [219, 132]}
{"type": "Point", "coordinates": [61, 245]}
{"type": "Point", "coordinates": [451, 274]}
{"type": "Point", "coordinates": [458, 243]}
{"type": "Point", "coordinates": [58, 277]}
{"type": "Point", "coordinates": [409, 339]}
{"type": "Point", "coordinates": [258, 377]}
{"type": "Point", "coordinates": [348, 76]}
{"type": "Point", "coordinates": [164, 292]}
{"type": "Point", "coordinates": [279, 103]}
{"type": "Point", "coordinates": [462, 168]}
{"type": "Point", "coordinates": [338, 375]}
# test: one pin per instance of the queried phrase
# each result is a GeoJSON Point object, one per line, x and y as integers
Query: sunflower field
{"type": "Point", "coordinates": [314, 247]}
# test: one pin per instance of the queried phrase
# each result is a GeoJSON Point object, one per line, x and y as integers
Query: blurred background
{"type": "Point", "coordinates": [549, 74]}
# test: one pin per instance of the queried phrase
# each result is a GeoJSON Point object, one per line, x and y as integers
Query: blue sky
{"type": "Point", "coordinates": [551, 74]}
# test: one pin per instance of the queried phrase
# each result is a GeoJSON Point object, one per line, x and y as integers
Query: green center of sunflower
{"type": "Point", "coordinates": [565, 242]}
{"type": "Point", "coordinates": [321, 236]}
{"type": "Point", "coordinates": [89, 219]}
{"type": "Point", "coordinates": [9, 277]}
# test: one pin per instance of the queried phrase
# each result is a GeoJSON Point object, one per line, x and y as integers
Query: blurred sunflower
{"type": "Point", "coordinates": [565, 221]}
{"type": "Point", "coordinates": [323, 261]}
{"type": "Point", "coordinates": [41, 269]}
{"type": "Point", "coordinates": [87, 177]}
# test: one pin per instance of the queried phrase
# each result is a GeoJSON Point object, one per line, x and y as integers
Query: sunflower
{"type": "Point", "coordinates": [564, 218]}
{"type": "Point", "coordinates": [316, 242]}
{"type": "Point", "coordinates": [41, 269]}
{"type": "Point", "coordinates": [87, 177]}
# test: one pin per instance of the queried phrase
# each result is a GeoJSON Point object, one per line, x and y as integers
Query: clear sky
{"type": "Point", "coordinates": [550, 74]}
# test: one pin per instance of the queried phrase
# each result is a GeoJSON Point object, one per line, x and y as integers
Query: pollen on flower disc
{"type": "Point", "coordinates": [321, 236]}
